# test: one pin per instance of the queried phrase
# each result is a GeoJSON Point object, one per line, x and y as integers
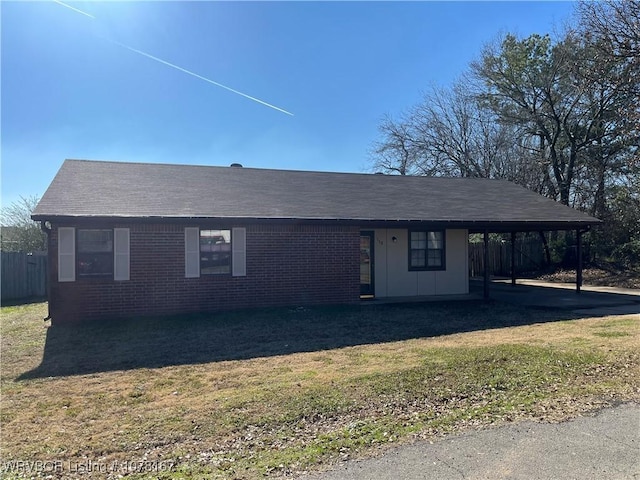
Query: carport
{"type": "Point", "coordinates": [513, 228]}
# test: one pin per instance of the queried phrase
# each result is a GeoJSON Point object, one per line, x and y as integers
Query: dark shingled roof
{"type": "Point", "coordinates": [151, 191]}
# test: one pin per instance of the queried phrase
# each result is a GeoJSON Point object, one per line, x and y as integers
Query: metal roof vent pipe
{"type": "Point", "coordinates": [236, 165]}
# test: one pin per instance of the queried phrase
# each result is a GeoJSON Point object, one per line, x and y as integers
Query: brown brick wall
{"type": "Point", "coordinates": [287, 265]}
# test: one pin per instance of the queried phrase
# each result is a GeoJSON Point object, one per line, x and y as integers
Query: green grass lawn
{"type": "Point", "coordinates": [277, 392]}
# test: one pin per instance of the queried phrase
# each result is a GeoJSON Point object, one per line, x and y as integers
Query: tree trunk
{"type": "Point", "coordinates": [545, 245]}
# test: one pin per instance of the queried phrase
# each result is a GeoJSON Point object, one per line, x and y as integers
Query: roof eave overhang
{"type": "Point", "coordinates": [474, 226]}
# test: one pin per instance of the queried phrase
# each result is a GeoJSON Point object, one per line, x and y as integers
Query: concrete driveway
{"type": "Point", "coordinates": [591, 300]}
{"type": "Point", "coordinates": [602, 446]}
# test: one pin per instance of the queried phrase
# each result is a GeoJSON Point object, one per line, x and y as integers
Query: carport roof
{"type": "Point", "coordinates": [84, 189]}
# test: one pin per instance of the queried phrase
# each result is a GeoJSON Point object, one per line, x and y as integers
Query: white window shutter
{"type": "Point", "coordinates": [239, 252]}
{"type": "Point", "coordinates": [191, 252]}
{"type": "Point", "coordinates": [121, 254]}
{"type": "Point", "coordinates": [66, 254]}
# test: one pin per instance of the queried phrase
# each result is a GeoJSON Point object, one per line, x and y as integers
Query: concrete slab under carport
{"type": "Point", "coordinates": [591, 300]}
{"type": "Point", "coordinates": [422, 298]}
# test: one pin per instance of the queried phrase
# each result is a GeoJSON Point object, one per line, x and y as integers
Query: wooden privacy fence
{"type": "Point", "coordinates": [529, 257]}
{"type": "Point", "coordinates": [24, 275]}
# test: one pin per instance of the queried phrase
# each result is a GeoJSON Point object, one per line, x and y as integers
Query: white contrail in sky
{"type": "Point", "coordinates": [74, 9]}
{"type": "Point", "coordinates": [184, 70]}
{"type": "Point", "coordinates": [164, 62]}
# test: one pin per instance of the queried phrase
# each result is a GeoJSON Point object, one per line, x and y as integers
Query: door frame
{"type": "Point", "coordinates": [372, 240]}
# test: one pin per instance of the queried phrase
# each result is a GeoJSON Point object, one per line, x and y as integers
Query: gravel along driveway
{"type": "Point", "coordinates": [603, 446]}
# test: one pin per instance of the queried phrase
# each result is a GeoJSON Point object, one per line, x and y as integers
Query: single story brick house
{"type": "Point", "coordinates": [129, 239]}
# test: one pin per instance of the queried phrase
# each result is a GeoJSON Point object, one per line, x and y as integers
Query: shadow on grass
{"type": "Point", "coordinates": [153, 342]}
{"type": "Point", "coordinates": [23, 301]}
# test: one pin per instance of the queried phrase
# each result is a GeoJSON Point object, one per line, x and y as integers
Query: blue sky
{"type": "Point", "coordinates": [69, 91]}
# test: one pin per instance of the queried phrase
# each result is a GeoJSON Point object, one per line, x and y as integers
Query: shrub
{"type": "Point", "coordinates": [628, 254]}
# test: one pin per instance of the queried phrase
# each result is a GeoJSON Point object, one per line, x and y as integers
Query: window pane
{"type": "Point", "coordinates": [95, 252]}
{"type": "Point", "coordinates": [435, 258]}
{"type": "Point", "coordinates": [95, 241]}
{"type": "Point", "coordinates": [435, 239]}
{"type": "Point", "coordinates": [95, 264]}
{"type": "Point", "coordinates": [418, 240]}
{"type": "Point", "coordinates": [426, 250]}
{"type": "Point", "coordinates": [215, 252]}
{"type": "Point", "coordinates": [418, 258]}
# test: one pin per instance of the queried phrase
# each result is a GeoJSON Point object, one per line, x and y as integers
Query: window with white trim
{"type": "Point", "coordinates": [94, 252]}
{"type": "Point", "coordinates": [426, 250]}
{"type": "Point", "coordinates": [215, 252]}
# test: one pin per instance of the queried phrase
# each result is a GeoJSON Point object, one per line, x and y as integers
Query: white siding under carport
{"type": "Point", "coordinates": [391, 266]}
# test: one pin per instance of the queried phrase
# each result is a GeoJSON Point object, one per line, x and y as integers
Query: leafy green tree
{"type": "Point", "coordinates": [526, 83]}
